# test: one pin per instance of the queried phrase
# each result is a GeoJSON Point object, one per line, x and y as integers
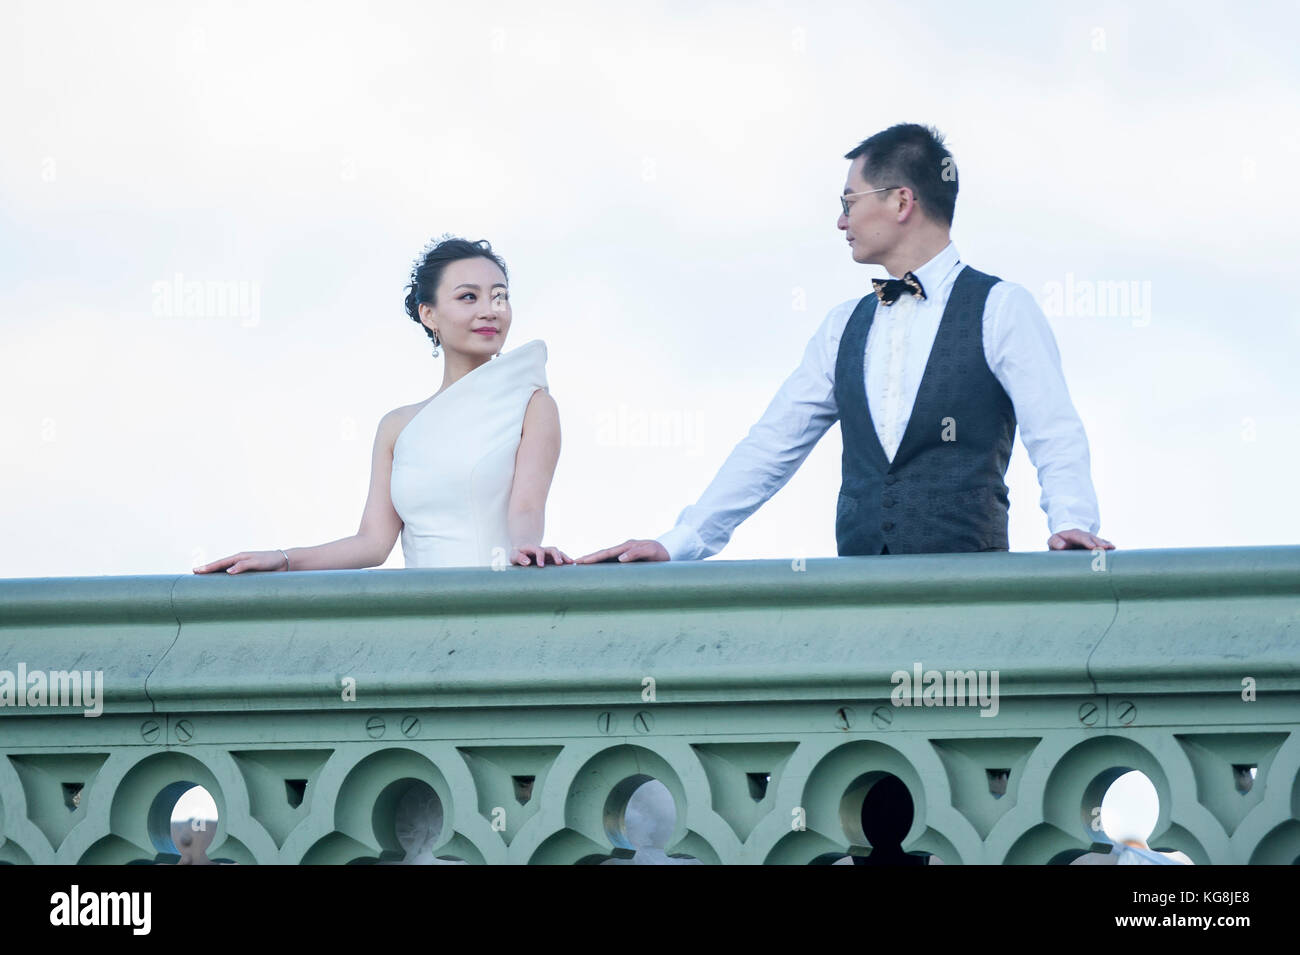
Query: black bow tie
{"type": "Point", "coordinates": [888, 290]}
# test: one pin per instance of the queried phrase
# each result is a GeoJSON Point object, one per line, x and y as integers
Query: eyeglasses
{"type": "Point", "coordinates": [844, 199]}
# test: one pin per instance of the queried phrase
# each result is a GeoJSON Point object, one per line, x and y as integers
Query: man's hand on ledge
{"type": "Point", "coordinates": [1077, 540]}
{"type": "Point", "coordinates": [626, 552]}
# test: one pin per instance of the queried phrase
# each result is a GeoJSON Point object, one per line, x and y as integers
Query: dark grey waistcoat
{"type": "Point", "coordinates": [944, 491]}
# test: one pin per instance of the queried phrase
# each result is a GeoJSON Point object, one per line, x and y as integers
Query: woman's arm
{"type": "Point", "coordinates": [539, 452]}
{"type": "Point", "coordinates": [368, 547]}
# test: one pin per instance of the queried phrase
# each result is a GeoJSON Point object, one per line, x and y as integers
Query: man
{"type": "Point", "coordinates": [929, 375]}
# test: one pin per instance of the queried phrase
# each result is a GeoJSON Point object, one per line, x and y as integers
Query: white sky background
{"type": "Point", "coordinates": [662, 183]}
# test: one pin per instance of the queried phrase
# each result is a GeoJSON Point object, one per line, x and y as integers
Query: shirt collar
{"type": "Point", "coordinates": [933, 272]}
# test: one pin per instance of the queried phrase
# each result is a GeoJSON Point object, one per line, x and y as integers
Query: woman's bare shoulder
{"type": "Point", "coordinates": [541, 398]}
{"type": "Point", "coordinates": [541, 406]}
{"type": "Point", "coordinates": [542, 413]}
{"type": "Point", "coordinates": [407, 412]}
{"type": "Point", "coordinates": [391, 424]}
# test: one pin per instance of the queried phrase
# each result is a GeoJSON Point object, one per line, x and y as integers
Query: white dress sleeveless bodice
{"type": "Point", "coordinates": [454, 463]}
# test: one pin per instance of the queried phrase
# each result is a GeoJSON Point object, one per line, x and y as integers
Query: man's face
{"type": "Point", "coordinates": [871, 226]}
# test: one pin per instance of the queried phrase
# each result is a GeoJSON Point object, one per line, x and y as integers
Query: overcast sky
{"type": "Point", "coordinates": [662, 183]}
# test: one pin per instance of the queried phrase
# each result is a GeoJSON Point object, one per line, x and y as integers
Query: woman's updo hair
{"type": "Point", "coordinates": [427, 271]}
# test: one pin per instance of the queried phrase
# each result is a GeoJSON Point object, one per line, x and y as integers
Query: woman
{"type": "Point", "coordinates": [463, 475]}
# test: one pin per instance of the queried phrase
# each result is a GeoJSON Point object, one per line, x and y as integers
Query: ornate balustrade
{"type": "Point", "coordinates": [508, 717]}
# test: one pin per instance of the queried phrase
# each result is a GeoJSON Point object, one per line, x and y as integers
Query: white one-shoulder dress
{"type": "Point", "coordinates": [454, 463]}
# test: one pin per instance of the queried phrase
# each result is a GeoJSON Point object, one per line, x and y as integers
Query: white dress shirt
{"type": "Point", "coordinates": [1020, 350]}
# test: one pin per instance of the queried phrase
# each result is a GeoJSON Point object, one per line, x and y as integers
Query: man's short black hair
{"type": "Point", "coordinates": [913, 156]}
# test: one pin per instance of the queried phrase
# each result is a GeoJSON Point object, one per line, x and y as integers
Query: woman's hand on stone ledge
{"type": "Point", "coordinates": [627, 552]}
{"type": "Point", "coordinates": [1074, 539]}
{"type": "Point", "coordinates": [265, 560]}
{"type": "Point", "coordinates": [536, 555]}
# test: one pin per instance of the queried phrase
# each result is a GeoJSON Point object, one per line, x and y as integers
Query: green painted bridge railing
{"type": "Point", "coordinates": [509, 717]}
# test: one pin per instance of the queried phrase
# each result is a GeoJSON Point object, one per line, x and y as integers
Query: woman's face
{"type": "Point", "coordinates": [471, 311]}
